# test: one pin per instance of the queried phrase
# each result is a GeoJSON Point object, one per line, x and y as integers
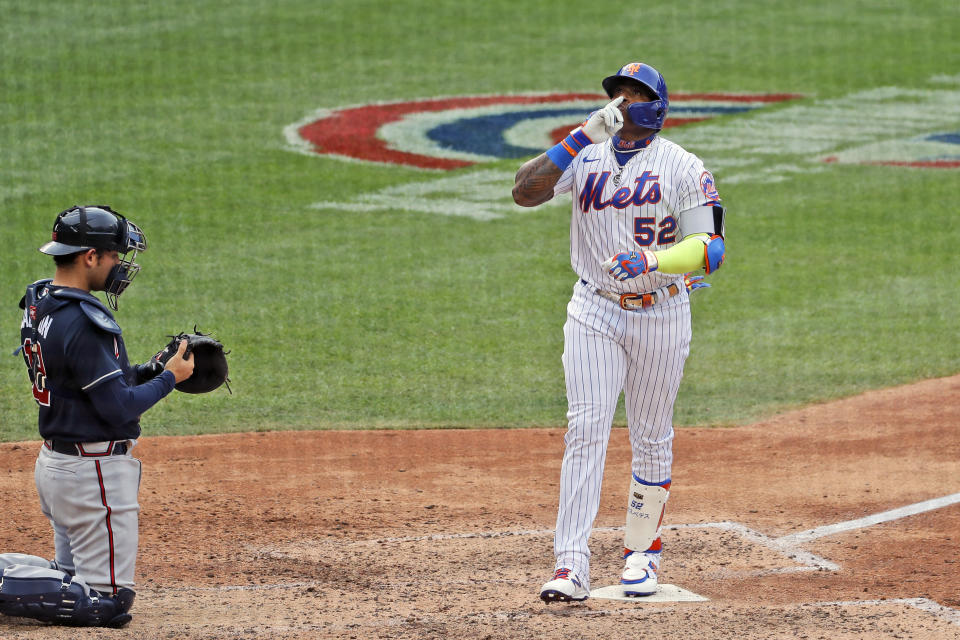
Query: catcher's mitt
{"type": "Point", "coordinates": [209, 361]}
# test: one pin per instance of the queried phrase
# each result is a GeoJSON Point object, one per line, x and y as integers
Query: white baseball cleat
{"type": "Point", "coordinates": [640, 573]}
{"type": "Point", "coordinates": [566, 586]}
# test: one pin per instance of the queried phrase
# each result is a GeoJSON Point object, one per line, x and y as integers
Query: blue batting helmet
{"type": "Point", "coordinates": [645, 114]}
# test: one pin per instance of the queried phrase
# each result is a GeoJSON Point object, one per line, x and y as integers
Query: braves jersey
{"type": "Point", "coordinates": [634, 206]}
{"type": "Point", "coordinates": [74, 349]}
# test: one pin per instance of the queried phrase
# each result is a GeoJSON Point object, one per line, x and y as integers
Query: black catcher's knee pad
{"type": "Point", "coordinates": [53, 596]}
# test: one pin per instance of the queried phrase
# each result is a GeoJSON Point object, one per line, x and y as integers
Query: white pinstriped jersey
{"type": "Point", "coordinates": [609, 350]}
{"type": "Point", "coordinates": [639, 209]}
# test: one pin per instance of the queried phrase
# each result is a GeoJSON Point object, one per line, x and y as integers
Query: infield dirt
{"type": "Point", "coordinates": [448, 533]}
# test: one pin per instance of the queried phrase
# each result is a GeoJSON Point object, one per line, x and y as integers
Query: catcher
{"type": "Point", "coordinates": [90, 400]}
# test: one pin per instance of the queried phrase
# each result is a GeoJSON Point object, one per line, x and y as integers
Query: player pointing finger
{"type": "Point", "coordinates": [646, 213]}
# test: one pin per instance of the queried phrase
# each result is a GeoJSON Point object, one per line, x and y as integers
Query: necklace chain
{"type": "Point", "coordinates": [619, 173]}
{"type": "Point", "coordinates": [616, 177]}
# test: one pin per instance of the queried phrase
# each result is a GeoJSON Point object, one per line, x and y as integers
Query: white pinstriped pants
{"type": "Point", "coordinates": [608, 350]}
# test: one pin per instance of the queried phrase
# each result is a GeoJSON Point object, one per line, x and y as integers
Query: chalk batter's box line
{"type": "Point", "coordinates": [868, 521]}
{"type": "Point", "coordinates": [808, 561]}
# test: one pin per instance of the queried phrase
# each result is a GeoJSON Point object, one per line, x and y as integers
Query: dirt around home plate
{"type": "Point", "coordinates": [448, 533]}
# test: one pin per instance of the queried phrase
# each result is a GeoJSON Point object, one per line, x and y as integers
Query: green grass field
{"type": "Point", "coordinates": [841, 277]}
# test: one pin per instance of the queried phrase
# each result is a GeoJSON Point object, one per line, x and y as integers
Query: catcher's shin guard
{"type": "Point", "coordinates": [53, 596]}
{"type": "Point", "coordinates": [645, 506]}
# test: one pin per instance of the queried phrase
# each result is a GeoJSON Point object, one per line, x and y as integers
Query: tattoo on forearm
{"type": "Point", "coordinates": [535, 181]}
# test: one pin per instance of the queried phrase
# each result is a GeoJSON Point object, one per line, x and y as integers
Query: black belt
{"type": "Point", "coordinates": [77, 449]}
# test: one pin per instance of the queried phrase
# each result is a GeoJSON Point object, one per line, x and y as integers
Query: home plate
{"type": "Point", "coordinates": [665, 593]}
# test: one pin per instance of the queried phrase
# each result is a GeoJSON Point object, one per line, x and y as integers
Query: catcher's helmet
{"type": "Point", "coordinates": [645, 114]}
{"type": "Point", "coordinates": [94, 227]}
{"type": "Point", "coordinates": [81, 228]}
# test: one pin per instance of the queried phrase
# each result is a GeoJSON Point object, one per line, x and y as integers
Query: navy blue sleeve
{"type": "Point", "coordinates": [93, 355]}
{"type": "Point", "coordinates": [118, 403]}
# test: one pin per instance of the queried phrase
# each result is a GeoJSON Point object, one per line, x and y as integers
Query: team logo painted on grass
{"type": "Point", "coordinates": [451, 133]}
{"type": "Point", "coordinates": [913, 128]}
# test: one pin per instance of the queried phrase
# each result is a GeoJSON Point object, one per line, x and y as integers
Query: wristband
{"type": "Point", "coordinates": [563, 153]}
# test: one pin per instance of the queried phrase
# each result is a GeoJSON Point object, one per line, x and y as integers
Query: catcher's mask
{"type": "Point", "coordinates": [82, 228]}
{"type": "Point", "coordinates": [644, 114]}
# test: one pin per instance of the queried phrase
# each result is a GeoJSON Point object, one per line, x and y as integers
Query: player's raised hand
{"type": "Point", "coordinates": [604, 123]}
{"type": "Point", "coordinates": [627, 265]}
{"type": "Point", "coordinates": [181, 365]}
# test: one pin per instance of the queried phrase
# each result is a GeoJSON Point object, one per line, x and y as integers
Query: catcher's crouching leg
{"type": "Point", "coordinates": [53, 596]}
{"type": "Point", "coordinates": [8, 559]}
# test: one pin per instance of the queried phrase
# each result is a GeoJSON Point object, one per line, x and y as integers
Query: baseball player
{"type": "Point", "coordinates": [646, 213]}
{"type": "Point", "coordinates": [90, 401]}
